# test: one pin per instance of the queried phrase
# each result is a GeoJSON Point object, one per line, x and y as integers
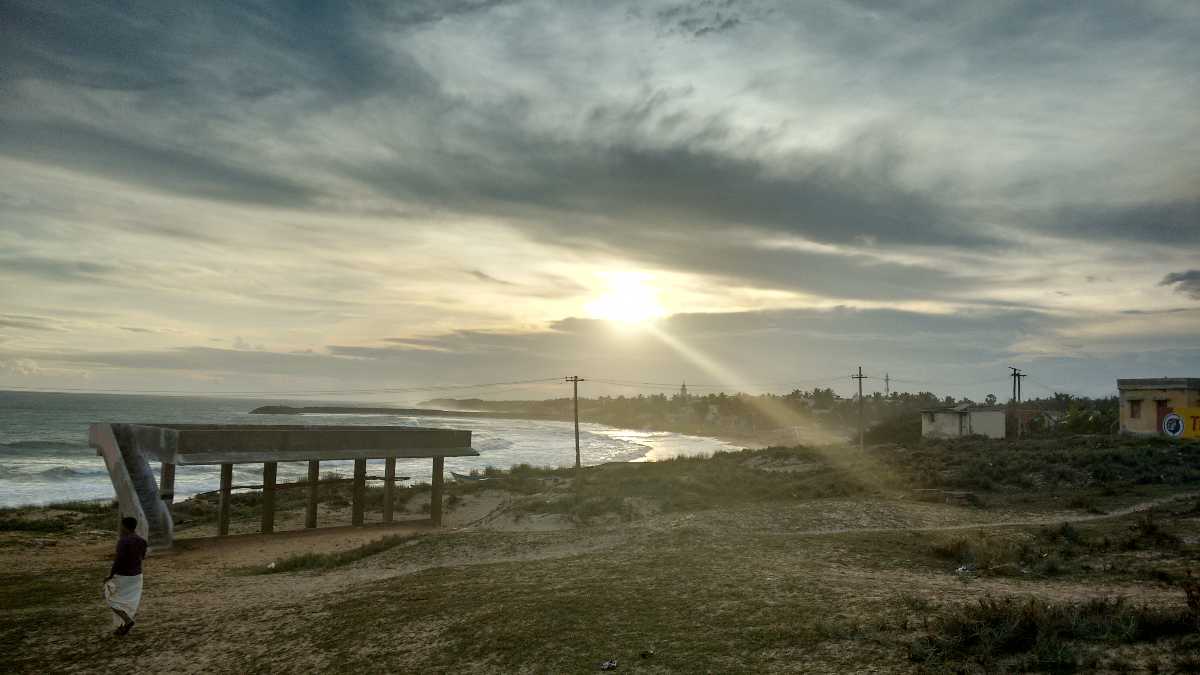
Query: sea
{"type": "Point", "coordinates": [45, 458]}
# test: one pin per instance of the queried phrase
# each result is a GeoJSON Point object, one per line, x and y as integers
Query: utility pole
{"type": "Point", "coordinates": [861, 437]}
{"type": "Point", "coordinates": [1020, 419]}
{"type": "Point", "coordinates": [575, 380]}
{"type": "Point", "coordinates": [887, 385]}
{"type": "Point", "coordinates": [1016, 399]}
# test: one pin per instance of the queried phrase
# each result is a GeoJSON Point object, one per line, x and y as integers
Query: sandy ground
{"type": "Point", "coordinates": [199, 589]}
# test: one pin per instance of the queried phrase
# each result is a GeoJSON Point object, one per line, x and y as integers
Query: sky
{"type": "Point", "coordinates": [349, 197]}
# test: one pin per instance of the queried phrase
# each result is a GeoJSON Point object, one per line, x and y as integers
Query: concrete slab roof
{"type": "Point", "coordinates": [964, 409]}
{"type": "Point", "coordinates": [235, 443]}
{"type": "Point", "coordinates": [1188, 383]}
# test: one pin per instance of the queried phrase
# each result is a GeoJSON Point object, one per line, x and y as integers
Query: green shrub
{"type": "Point", "coordinates": [41, 525]}
{"type": "Point", "coordinates": [324, 561]}
{"type": "Point", "coordinates": [1043, 633]}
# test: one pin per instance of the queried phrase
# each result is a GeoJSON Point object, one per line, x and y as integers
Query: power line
{"type": "Point", "coordinates": [290, 392]}
{"type": "Point", "coordinates": [972, 383]}
{"type": "Point", "coordinates": [732, 386]}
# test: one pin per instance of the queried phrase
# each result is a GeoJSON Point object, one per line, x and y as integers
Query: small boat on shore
{"type": "Point", "coordinates": [466, 477]}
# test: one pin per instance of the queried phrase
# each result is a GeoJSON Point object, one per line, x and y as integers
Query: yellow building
{"type": "Point", "coordinates": [1162, 405]}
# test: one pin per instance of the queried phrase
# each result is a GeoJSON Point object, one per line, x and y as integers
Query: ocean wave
{"type": "Point", "coordinates": [51, 475]}
{"type": "Point", "coordinates": [484, 444]}
{"type": "Point", "coordinates": [37, 444]}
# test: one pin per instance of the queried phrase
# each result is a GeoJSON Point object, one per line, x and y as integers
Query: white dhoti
{"type": "Point", "coordinates": [125, 594]}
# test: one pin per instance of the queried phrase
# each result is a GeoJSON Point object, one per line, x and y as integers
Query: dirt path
{"type": "Point", "coordinates": [1136, 508]}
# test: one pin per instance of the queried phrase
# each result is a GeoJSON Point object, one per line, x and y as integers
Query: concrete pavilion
{"type": "Point", "coordinates": [129, 449]}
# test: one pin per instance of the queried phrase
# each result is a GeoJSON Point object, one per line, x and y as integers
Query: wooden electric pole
{"type": "Point", "coordinates": [575, 380]}
{"type": "Point", "coordinates": [1016, 399]}
{"type": "Point", "coordinates": [1020, 417]}
{"type": "Point", "coordinates": [861, 435]}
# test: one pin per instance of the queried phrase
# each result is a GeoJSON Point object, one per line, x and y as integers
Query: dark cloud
{"type": "Point", "coordinates": [27, 322]}
{"type": "Point", "coordinates": [1187, 282]}
{"type": "Point", "coordinates": [165, 168]}
{"type": "Point", "coordinates": [200, 70]}
{"type": "Point", "coordinates": [751, 340]}
{"type": "Point", "coordinates": [331, 53]}
{"type": "Point", "coordinates": [1166, 223]}
{"type": "Point", "coordinates": [701, 18]}
{"type": "Point", "coordinates": [845, 195]}
{"type": "Point", "coordinates": [626, 191]}
{"type": "Point", "coordinates": [877, 127]}
{"type": "Point", "coordinates": [483, 276]}
{"type": "Point", "coordinates": [421, 12]}
{"type": "Point", "coordinates": [144, 45]}
{"type": "Point", "coordinates": [56, 269]}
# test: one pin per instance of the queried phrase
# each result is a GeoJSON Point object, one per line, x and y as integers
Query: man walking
{"type": "Point", "coordinates": [123, 587]}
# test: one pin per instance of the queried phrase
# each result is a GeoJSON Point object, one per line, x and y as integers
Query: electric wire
{"type": "Point", "coordinates": [291, 392]}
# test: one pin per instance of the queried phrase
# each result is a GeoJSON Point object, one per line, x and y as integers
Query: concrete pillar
{"type": "Point", "coordinates": [166, 488]}
{"type": "Point", "coordinates": [268, 497]}
{"type": "Point", "coordinates": [389, 488]}
{"type": "Point", "coordinates": [435, 491]}
{"type": "Point", "coordinates": [360, 492]}
{"type": "Point", "coordinates": [226, 495]}
{"type": "Point", "coordinates": [314, 475]}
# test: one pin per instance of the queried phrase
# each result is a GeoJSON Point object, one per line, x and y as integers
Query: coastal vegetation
{"type": "Point", "coordinates": [1075, 553]}
{"type": "Point", "coordinates": [889, 419]}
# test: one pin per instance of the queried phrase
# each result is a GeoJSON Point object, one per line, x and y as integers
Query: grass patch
{"type": "Point", "coordinates": [1115, 462]}
{"type": "Point", "coordinates": [44, 525]}
{"type": "Point", "coordinates": [1135, 547]}
{"type": "Point", "coordinates": [1034, 634]}
{"type": "Point", "coordinates": [35, 589]}
{"type": "Point", "coordinates": [615, 604]}
{"type": "Point", "coordinates": [580, 509]}
{"type": "Point", "coordinates": [327, 561]}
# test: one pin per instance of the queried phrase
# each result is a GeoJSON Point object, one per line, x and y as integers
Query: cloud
{"type": "Point", "coordinates": [154, 46]}
{"type": "Point", "coordinates": [429, 185]}
{"type": "Point", "coordinates": [242, 345]}
{"type": "Point", "coordinates": [27, 322]}
{"type": "Point", "coordinates": [179, 171]}
{"type": "Point", "coordinates": [1172, 223]}
{"type": "Point", "coordinates": [701, 18]}
{"type": "Point", "coordinates": [19, 367]}
{"type": "Point", "coordinates": [483, 276]}
{"type": "Point", "coordinates": [57, 269]}
{"type": "Point", "coordinates": [1187, 282]}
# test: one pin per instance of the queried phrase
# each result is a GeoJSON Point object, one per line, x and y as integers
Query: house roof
{"type": "Point", "coordinates": [964, 408]}
{"type": "Point", "coordinates": [1159, 383]}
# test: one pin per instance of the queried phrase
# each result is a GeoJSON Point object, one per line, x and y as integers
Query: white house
{"type": "Point", "coordinates": [963, 420]}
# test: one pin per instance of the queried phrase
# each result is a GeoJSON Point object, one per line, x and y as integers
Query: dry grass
{"type": "Point", "coordinates": [738, 563]}
{"type": "Point", "coordinates": [1031, 634]}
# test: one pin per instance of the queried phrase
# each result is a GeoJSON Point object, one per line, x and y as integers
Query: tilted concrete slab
{"type": "Point", "coordinates": [134, 485]}
{"type": "Point", "coordinates": [190, 444]}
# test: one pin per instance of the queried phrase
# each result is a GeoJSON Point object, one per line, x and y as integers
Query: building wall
{"type": "Point", "coordinates": [988, 423]}
{"type": "Point", "coordinates": [941, 425]}
{"type": "Point", "coordinates": [1181, 401]}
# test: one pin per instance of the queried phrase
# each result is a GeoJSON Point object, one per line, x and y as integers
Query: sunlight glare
{"type": "Point", "coordinates": [629, 299]}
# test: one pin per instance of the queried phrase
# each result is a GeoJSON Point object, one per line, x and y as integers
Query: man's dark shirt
{"type": "Point", "coordinates": [130, 551]}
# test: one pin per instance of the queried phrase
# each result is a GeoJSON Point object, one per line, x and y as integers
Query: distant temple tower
{"type": "Point", "coordinates": [683, 391]}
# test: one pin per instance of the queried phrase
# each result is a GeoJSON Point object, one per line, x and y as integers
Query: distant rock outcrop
{"type": "Point", "coordinates": [407, 412]}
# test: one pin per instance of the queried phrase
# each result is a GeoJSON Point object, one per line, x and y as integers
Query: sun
{"type": "Point", "coordinates": [630, 299]}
